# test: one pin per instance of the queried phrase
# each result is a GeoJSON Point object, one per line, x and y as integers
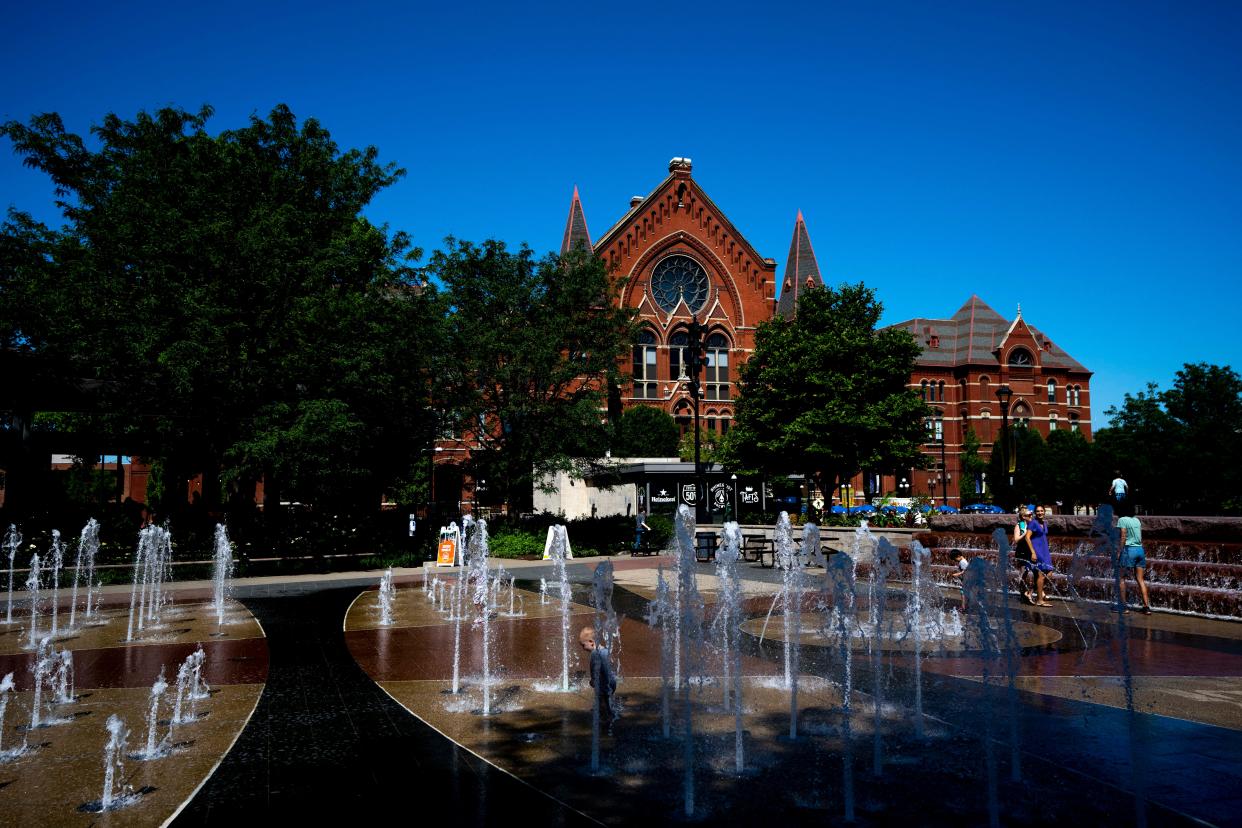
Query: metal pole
{"type": "Point", "coordinates": [944, 469]}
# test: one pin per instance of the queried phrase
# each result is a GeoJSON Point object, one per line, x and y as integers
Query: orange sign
{"type": "Point", "coordinates": [447, 555]}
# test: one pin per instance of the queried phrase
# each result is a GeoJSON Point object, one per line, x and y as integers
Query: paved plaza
{"type": "Point", "coordinates": [318, 709]}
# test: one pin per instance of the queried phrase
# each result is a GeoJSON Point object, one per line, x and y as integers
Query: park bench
{"type": "Point", "coordinates": [756, 547]}
{"type": "Point", "coordinates": [704, 546]}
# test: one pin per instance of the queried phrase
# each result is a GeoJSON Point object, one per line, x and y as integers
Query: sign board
{"type": "Point", "coordinates": [690, 494]}
{"type": "Point", "coordinates": [818, 503]}
{"type": "Point", "coordinates": [662, 496]}
{"type": "Point", "coordinates": [547, 545]}
{"type": "Point", "coordinates": [450, 541]}
{"type": "Point", "coordinates": [720, 496]}
{"type": "Point", "coordinates": [748, 496]}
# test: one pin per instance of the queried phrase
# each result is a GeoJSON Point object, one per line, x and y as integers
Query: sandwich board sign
{"type": "Point", "coordinates": [547, 545]}
{"type": "Point", "coordinates": [450, 542]}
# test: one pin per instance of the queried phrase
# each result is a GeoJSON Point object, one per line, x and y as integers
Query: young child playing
{"type": "Point", "coordinates": [602, 677]}
{"type": "Point", "coordinates": [960, 562]}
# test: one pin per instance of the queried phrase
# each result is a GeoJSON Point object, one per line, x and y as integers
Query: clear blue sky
{"type": "Point", "coordinates": [1083, 159]}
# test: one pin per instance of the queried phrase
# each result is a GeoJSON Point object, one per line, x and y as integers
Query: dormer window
{"type": "Point", "coordinates": [934, 342]}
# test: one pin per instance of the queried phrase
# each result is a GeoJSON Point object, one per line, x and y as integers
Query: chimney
{"type": "Point", "coordinates": [635, 201]}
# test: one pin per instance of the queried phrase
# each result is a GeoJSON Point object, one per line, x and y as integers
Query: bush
{"type": "Point", "coordinates": [515, 544]}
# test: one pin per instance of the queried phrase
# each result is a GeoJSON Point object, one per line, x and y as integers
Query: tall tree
{"type": "Point", "coordinates": [824, 394]}
{"type": "Point", "coordinates": [238, 311]}
{"type": "Point", "coordinates": [973, 466]}
{"type": "Point", "coordinates": [535, 345]}
{"type": "Point", "coordinates": [1177, 448]}
{"type": "Point", "coordinates": [644, 431]}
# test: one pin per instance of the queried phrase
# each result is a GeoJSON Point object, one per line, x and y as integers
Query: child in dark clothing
{"type": "Point", "coordinates": [602, 678]}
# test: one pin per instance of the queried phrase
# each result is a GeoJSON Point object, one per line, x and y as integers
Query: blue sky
{"type": "Point", "coordinates": [1081, 159]}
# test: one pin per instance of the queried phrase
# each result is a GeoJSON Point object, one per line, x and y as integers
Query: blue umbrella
{"type": "Point", "coordinates": [864, 509]}
{"type": "Point", "coordinates": [946, 509]}
{"type": "Point", "coordinates": [838, 509]}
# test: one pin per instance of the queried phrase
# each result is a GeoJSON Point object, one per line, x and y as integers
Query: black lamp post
{"type": "Point", "coordinates": [1003, 395]}
{"type": "Point", "coordinates": [695, 348]}
{"type": "Point", "coordinates": [944, 469]}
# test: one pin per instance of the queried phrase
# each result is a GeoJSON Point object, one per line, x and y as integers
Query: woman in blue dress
{"type": "Point", "coordinates": [1042, 564]}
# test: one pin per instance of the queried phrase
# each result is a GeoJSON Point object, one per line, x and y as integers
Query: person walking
{"type": "Point", "coordinates": [640, 526]}
{"type": "Point", "coordinates": [1118, 489]}
{"type": "Point", "coordinates": [1132, 557]}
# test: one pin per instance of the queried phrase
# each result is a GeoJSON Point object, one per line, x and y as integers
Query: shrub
{"type": "Point", "coordinates": [515, 544]}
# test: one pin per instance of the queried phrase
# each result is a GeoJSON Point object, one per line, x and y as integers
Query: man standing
{"type": "Point", "coordinates": [1118, 489]}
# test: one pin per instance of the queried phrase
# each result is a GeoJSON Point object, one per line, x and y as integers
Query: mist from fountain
{"type": "Point", "coordinates": [1000, 539]}
{"type": "Point", "coordinates": [32, 589]}
{"type": "Point", "coordinates": [385, 598]}
{"type": "Point", "coordinates": [885, 563]}
{"type": "Point", "coordinates": [557, 552]}
{"type": "Point", "coordinates": [690, 634]}
{"type": "Point", "coordinates": [727, 626]}
{"type": "Point", "coordinates": [154, 750]}
{"type": "Point", "coordinates": [975, 582]}
{"type": "Point", "coordinates": [841, 590]}
{"type": "Point", "coordinates": [12, 540]}
{"type": "Point", "coordinates": [918, 557]}
{"type": "Point", "coordinates": [222, 571]}
{"type": "Point", "coordinates": [483, 600]}
{"type": "Point", "coordinates": [607, 636]}
{"type": "Point", "coordinates": [659, 614]}
{"type": "Point", "coordinates": [152, 565]}
{"type": "Point", "coordinates": [517, 602]}
{"type": "Point", "coordinates": [791, 603]}
{"type": "Point", "coordinates": [64, 678]}
{"type": "Point", "coordinates": [88, 548]}
{"type": "Point", "coordinates": [457, 611]}
{"type": "Point", "coordinates": [115, 792]}
{"type": "Point", "coordinates": [42, 670]}
{"type": "Point", "coordinates": [6, 693]}
{"type": "Point", "coordinates": [58, 561]}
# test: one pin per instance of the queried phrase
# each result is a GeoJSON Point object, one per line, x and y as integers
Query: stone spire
{"type": "Point", "coordinates": [801, 271]}
{"type": "Point", "coordinates": [575, 227]}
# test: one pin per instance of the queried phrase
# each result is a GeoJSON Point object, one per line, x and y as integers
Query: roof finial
{"type": "Point", "coordinates": [1019, 310]}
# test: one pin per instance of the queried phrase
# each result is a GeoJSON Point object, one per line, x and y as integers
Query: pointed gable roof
{"type": "Point", "coordinates": [575, 227]}
{"type": "Point", "coordinates": [972, 336]}
{"type": "Point", "coordinates": [801, 270]}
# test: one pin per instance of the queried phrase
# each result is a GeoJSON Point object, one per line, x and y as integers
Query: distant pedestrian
{"type": "Point", "coordinates": [1132, 557]}
{"type": "Point", "coordinates": [640, 526]}
{"type": "Point", "coordinates": [602, 678]}
{"type": "Point", "coordinates": [1118, 489]}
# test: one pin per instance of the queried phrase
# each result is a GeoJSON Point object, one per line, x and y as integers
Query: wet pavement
{"type": "Point", "coordinates": [328, 742]}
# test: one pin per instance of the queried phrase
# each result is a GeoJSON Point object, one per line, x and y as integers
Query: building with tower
{"type": "Point", "coordinates": [683, 259]}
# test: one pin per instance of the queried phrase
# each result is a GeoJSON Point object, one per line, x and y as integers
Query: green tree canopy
{"type": "Point", "coordinates": [824, 394]}
{"type": "Point", "coordinates": [534, 347]}
{"type": "Point", "coordinates": [645, 431]}
{"type": "Point", "coordinates": [1178, 448]}
{"type": "Point", "coordinates": [241, 316]}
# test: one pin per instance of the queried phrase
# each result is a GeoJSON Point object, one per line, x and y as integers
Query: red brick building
{"type": "Point", "coordinates": [965, 359]}
{"type": "Point", "coordinates": [680, 255]}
